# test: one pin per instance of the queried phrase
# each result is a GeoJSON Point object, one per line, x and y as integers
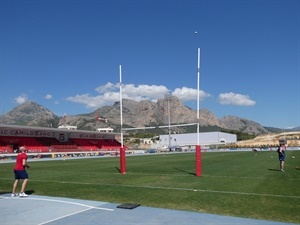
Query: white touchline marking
{"type": "Point", "coordinates": [214, 191]}
{"type": "Point", "coordinates": [58, 218]}
{"type": "Point", "coordinates": [61, 201]}
{"type": "Point", "coordinates": [174, 188]}
{"type": "Point", "coordinates": [208, 176]}
{"type": "Point", "coordinates": [180, 189]}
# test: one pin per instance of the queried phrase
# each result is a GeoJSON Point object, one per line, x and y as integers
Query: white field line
{"type": "Point", "coordinates": [253, 178]}
{"type": "Point", "coordinates": [58, 218]}
{"type": "Point", "coordinates": [175, 188]}
{"type": "Point", "coordinates": [60, 201]}
{"type": "Point", "coordinates": [183, 175]}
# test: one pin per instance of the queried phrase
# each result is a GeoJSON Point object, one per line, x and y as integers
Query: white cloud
{"type": "Point", "coordinates": [21, 99]}
{"type": "Point", "coordinates": [110, 93]}
{"type": "Point", "coordinates": [90, 101]}
{"type": "Point", "coordinates": [143, 92]}
{"type": "Point", "coordinates": [107, 88]}
{"type": "Point", "coordinates": [188, 94]}
{"type": "Point", "coordinates": [235, 99]}
{"type": "Point", "coordinates": [48, 96]}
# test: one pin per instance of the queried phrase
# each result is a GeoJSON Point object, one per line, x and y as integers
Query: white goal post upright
{"type": "Point", "coordinates": [121, 105]}
{"type": "Point", "coordinates": [122, 149]}
{"type": "Point", "coordinates": [198, 148]}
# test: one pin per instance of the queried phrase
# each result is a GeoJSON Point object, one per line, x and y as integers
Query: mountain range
{"type": "Point", "coordinates": [135, 114]}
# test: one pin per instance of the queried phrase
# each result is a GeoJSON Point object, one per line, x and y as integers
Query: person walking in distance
{"type": "Point", "coordinates": [20, 172]}
{"type": "Point", "coordinates": [281, 156]}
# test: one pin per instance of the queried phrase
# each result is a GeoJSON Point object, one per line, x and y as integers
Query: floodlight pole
{"type": "Point", "coordinates": [198, 147]}
{"type": "Point", "coordinates": [122, 149]}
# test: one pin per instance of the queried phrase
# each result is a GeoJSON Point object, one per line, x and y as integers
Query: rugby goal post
{"type": "Point", "coordinates": [122, 149]}
{"type": "Point", "coordinates": [198, 148]}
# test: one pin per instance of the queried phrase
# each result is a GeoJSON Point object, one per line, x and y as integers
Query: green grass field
{"type": "Point", "coordinates": [232, 183]}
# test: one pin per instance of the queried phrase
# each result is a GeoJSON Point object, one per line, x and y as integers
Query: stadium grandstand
{"type": "Point", "coordinates": [54, 140]}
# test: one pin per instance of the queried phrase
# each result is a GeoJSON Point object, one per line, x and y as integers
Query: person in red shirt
{"type": "Point", "coordinates": [20, 172]}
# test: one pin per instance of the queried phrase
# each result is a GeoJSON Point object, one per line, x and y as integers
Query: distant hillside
{"type": "Point", "coordinates": [135, 114]}
{"type": "Point", "coordinates": [30, 114]}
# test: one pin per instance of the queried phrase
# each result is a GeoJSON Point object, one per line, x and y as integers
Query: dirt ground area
{"type": "Point", "coordinates": [291, 138]}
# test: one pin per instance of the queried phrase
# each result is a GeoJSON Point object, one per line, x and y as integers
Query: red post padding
{"type": "Point", "coordinates": [122, 161]}
{"type": "Point", "coordinates": [198, 161]}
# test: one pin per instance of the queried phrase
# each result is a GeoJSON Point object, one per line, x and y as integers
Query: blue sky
{"type": "Point", "coordinates": [65, 55]}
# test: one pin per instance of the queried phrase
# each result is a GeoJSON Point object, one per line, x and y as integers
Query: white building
{"type": "Point", "coordinates": [190, 139]}
{"type": "Point", "coordinates": [68, 127]}
{"type": "Point", "coordinates": [106, 130]}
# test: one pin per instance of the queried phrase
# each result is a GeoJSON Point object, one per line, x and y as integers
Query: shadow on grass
{"type": "Point", "coordinates": [184, 171]}
{"type": "Point", "coordinates": [277, 170]}
{"type": "Point", "coordinates": [118, 169]}
{"type": "Point", "coordinates": [30, 192]}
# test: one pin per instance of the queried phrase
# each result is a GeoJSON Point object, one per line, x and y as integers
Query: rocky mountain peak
{"type": "Point", "coordinates": [135, 114]}
{"type": "Point", "coordinates": [30, 113]}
